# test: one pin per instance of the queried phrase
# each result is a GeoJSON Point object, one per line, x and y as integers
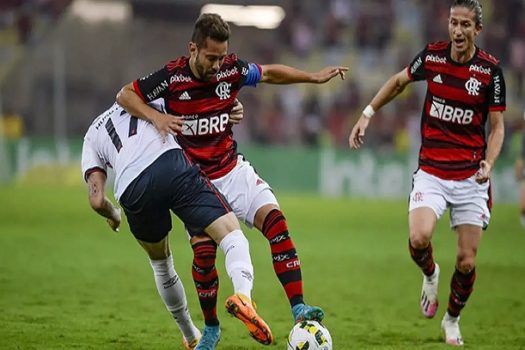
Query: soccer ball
{"type": "Point", "coordinates": [309, 335]}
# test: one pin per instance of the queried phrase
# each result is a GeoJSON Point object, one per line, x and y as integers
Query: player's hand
{"type": "Point", "coordinates": [114, 220]}
{"type": "Point", "coordinates": [237, 113]}
{"type": "Point", "coordinates": [356, 138]}
{"type": "Point", "coordinates": [168, 124]}
{"type": "Point", "coordinates": [518, 169]}
{"type": "Point", "coordinates": [329, 72]}
{"type": "Point", "coordinates": [483, 173]}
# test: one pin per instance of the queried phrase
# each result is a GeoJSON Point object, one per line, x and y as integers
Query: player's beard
{"type": "Point", "coordinates": [204, 74]}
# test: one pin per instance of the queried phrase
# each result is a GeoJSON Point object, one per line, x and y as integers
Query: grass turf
{"type": "Point", "coordinates": [68, 282]}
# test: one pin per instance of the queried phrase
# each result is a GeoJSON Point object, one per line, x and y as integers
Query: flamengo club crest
{"type": "Point", "coordinates": [223, 90]}
{"type": "Point", "coordinates": [472, 86]}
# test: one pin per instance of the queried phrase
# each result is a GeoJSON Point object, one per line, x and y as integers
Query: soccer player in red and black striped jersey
{"type": "Point", "coordinates": [465, 90]}
{"type": "Point", "coordinates": [199, 93]}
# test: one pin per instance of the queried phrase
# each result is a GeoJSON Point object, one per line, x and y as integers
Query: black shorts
{"type": "Point", "coordinates": [171, 182]}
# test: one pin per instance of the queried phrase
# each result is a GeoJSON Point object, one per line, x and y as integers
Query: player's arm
{"type": "Point", "coordinates": [390, 89]}
{"type": "Point", "coordinates": [128, 99]}
{"type": "Point", "coordinates": [496, 101]}
{"type": "Point", "coordinates": [96, 181]}
{"type": "Point", "coordinates": [494, 144]}
{"type": "Point", "coordinates": [132, 101]}
{"type": "Point", "coordinates": [282, 74]}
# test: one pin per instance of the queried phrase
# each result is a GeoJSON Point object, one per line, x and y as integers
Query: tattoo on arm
{"type": "Point", "coordinates": [100, 203]}
{"type": "Point", "coordinates": [93, 189]}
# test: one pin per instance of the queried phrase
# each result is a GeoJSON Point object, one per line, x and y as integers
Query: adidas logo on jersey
{"type": "Point", "coordinates": [185, 96]}
{"type": "Point", "coordinates": [437, 79]}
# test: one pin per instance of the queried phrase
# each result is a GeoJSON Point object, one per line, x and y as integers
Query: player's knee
{"type": "Point", "coordinates": [465, 262]}
{"type": "Point", "coordinates": [223, 226]}
{"type": "Point", "coordinates": [265, 214]}
{"type": "Point", "coordinates": [239, 237]}
{"type": "Point", "coordinates": [235, 239]}
{"type": "Point", "coordinates": [419, 241]}
{"type": "Point", "coordinates": [466, 266]}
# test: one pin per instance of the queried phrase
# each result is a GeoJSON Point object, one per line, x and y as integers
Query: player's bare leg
{"type": "Point", "coordinates": [272, 223]}
{"type": "Point", "coordinates": [422, 222]}
{"type": "Point", "coordinates": [171, 290]}
{"type": "Point", "coordinates": [461, 285]}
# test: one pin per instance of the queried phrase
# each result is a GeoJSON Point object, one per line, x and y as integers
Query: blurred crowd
{"type": "Point", "coordinates": [375, 38]}
{"type": "Point", "coordinates": [20, 16]}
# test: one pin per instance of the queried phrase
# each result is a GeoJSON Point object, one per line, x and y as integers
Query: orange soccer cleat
{"type": "Point", "coordinates": [243, 308]}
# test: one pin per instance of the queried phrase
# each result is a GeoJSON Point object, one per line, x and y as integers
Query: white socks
{"type": "Point", "coordinates": [238, 262]}
{"type": "Point", "coordinates": [172, 293]}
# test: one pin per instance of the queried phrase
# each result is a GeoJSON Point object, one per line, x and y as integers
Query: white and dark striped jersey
{"type": "Point", "coordinates": [125, 143]}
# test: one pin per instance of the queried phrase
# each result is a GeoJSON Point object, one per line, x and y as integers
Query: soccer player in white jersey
{"type": "Point", "coordinates": [465, 92]}
{"type": "Point", "coordinates": [152, 177]}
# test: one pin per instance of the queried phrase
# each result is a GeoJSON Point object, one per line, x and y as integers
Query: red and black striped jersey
{"type": "Point", "coordinates": [458, 100]}
{"type": "Point", "coordinates": [205, 105]}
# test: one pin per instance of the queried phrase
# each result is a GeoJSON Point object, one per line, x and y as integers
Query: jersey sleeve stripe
{"type": "Point", "coordinates": [497, 108]}
{"type": "Point", "coordinates": [137, 90]}
{"type": "Point", "coordinates": [409, 74]}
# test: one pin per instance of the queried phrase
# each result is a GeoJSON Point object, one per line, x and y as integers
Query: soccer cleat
{"type": "Point", "coordinates": [192, 344]}
{"type": "Point", "coordinates": [450, 327]}
{"type": "Point", "coordinates": [210, 338]}
{"type": "Point", "coordinates": [241, 307]}
{"type": "Point", "coordinates": [429, 294]}
{"type": "Point", "coordinates": [303, 312]}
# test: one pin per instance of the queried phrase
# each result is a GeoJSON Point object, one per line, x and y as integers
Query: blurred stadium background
{"type": "Point", "coordinates": [63, 61]}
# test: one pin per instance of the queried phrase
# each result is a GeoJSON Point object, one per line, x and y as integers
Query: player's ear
{"type": "Point", "coordinates": [479, 27]}
{"type": "Point", "coordinates": [192, 48]}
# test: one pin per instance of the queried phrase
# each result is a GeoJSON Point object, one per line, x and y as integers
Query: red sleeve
{"type": "Point", "coordinates": [137, 90]}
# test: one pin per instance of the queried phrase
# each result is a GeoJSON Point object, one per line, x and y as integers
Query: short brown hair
{"type": "Point", "coordinates": [210, 25]}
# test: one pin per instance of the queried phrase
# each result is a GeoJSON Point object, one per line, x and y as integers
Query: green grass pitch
{"type": "Point", "coordinates": [68, 282]}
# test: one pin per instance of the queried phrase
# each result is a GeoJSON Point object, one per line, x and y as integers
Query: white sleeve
{"type": "Point", "coordinates": [90, 158]}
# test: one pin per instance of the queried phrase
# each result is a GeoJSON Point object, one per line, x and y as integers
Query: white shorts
{"type": "Point", "coordinates": [467, 200]}
{"type": "Point", "coordinates": [245, 191]}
